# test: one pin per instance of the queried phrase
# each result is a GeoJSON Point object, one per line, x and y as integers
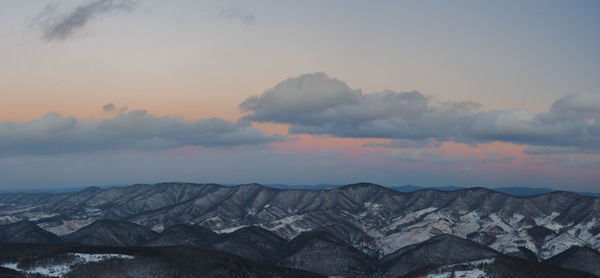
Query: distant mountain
{"type": "Point", "coordinates": [579, 258]}
{"type": "Point", "coordinates": [514, 191]}
{"type": "Point", "coordinates": [532, 191]}
{"type": "Point", "coordinates": [303, 187]}
{"type": "Point", "coordinates": [413, 188]}
{"type": "Point", "coordinates": [56, 190]}
{"type": "Point", "coordinates": [112, 233]}
{"type": "Point", "coordinates": [25, 231]}
{"type": "Point", "coordinates": [523, 191]}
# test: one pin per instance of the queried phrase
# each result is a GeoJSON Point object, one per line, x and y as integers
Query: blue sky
{"type": "Point", "coordinates": [177, 73]}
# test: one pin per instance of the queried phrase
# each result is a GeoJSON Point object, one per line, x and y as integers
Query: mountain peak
{"type": "Point", "coordinates": [363, 185]}
{"type": "Point", "coordinates": [251, 185]}
{"type": "Point", "coordinates": [92, 189]}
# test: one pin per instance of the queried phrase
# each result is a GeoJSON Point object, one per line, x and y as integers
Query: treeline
{"type": "Point", "coordinates": [175, 261]}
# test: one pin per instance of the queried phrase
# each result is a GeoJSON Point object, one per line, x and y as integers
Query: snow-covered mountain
{"type": "Point", "coordinates": [374, 219]}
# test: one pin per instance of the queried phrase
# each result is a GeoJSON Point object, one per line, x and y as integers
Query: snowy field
{"type": "Point", "coordinates": [62, 269]}
{"type": "Point", "coordinates": [475, 272]}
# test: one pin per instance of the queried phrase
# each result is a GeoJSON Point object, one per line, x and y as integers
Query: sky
{"type": "Point", "coordinates": [429, 93]}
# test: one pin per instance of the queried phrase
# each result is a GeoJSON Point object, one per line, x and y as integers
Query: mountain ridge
{"type": "Point", "coordinates": [321, 252]}
{"type": "Point", "coordinates": [510, 190]}
{"type": "Point", "coordinates": [373, 218]}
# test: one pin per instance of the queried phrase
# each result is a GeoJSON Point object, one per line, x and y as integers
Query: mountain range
{"type": "Point", "coordinates": [358, 229]}
{"type": "Point", "coordinates": [514, 190]}
{"type": "Point", "coordinates": [258, 250]}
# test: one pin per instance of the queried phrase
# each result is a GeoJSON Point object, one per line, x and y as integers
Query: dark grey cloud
{"type": "Point", "coordinates": [237, 13]}
{"type": "Point", "coordinates": [318, 104]}
{"type": "Point", "coordinates": [136, 130]}
{"type": "Point", "coordinates": [109, 107]}
{"type": "Point", "coordinates": [63, 26]}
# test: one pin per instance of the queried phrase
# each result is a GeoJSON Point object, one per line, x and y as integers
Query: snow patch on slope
{"type": "Point", "coordinates": [67, 226]}
{"type": "Point", "coordinates": [288, 227]}
{"type": "Point", "coordinates": [410, 217]}
{"type": "Point", "coordinates": [468, 270]}
{"type": "Point", "coordinates": [559, 244]}
{"type": "Point", "coordinates": [432, 224]}
{"type": "Point", "coordinates": [548, 222]}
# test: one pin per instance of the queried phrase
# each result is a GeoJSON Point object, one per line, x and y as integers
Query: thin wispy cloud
{"type": "Point", "coordinates": [405, 144]}
{"type": "Point", "coordinates": [245, 16]}
{"type": "Point", "coordinates": [577, 161]}
{"type": "Point", "coordinates": [431, 157]}
{"type": "Point", "coordinates": [57, 26]}
{"type": "Point", "coordinates": [534, 150]}
{"type": "Point", "coordinates": [495, 157]}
